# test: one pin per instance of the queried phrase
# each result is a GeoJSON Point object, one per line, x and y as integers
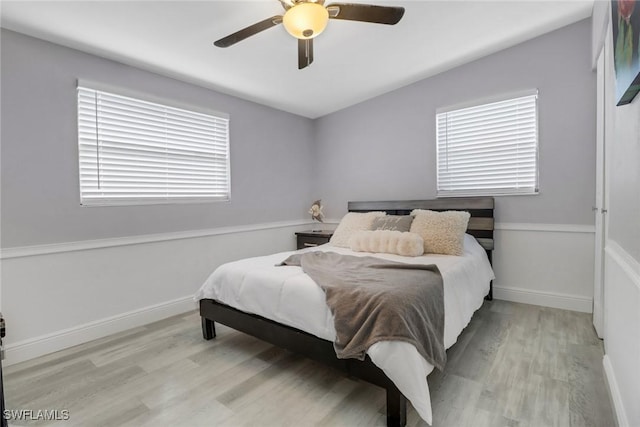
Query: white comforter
{"type": "Point", "coordinates": [288, 296]}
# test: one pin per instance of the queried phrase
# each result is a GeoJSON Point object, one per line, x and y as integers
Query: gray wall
{"type": "Point", "coordinates": [270, 152]}
{"type": "Point", "coordinates": [380, 149]}
{"type": "Point", "coordinates": [384, 148]}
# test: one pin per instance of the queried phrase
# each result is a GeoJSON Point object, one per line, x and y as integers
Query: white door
{"type": "Point", "coordinates": [598, 290]}
{"type": "Point", "coordinates": [605, 109]}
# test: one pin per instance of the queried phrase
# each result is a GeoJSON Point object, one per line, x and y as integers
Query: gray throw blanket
{"type": "Point", "coordinates": [375, 300]}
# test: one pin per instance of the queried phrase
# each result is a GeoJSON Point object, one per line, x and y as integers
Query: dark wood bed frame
{"type": "Point", "coordinates": [481, 226]}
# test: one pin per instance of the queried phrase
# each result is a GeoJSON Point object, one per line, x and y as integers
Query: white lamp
{"type": "Point", "coordinates": [305, 20]}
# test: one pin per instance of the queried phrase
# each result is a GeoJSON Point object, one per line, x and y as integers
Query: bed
{"type": "Point", "coordinates": [284, 306]}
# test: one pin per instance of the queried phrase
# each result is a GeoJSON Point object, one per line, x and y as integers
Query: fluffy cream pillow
{"type": "Point", "coordinates": [387, 241]}
{"type": "Point", "coordinates": [350, 223]}
{"type": "Point", "coordinates": [442, 232]}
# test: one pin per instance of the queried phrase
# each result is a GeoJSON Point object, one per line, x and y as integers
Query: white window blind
{"type": "Point", "coordinates": [489, 149]}
{"type": "Point", "coordinates": [132, 151]}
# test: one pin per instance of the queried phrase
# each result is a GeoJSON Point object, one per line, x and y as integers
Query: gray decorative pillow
{"type": "Point", "coordinates": [400, 223]}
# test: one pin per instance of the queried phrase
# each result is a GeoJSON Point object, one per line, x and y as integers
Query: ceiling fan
{"type": "Point", "coordinates": [306, 19]}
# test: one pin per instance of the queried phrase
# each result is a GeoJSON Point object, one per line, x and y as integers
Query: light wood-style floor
{"type": "Point", "coordinates": [514, 365]}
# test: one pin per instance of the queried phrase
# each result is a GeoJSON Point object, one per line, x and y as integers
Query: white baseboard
{"type": "Point", "coordinates": [59, 340]}
{"type": "Point", "coordinates": [614, 392]}
{"type": "Point", "coordinates": [546, 299]}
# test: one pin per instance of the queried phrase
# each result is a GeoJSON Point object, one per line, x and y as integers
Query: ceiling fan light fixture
{"type": "Point", "coordinates": [306, 20]}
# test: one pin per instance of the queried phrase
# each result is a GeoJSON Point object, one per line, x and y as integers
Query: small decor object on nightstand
{"type": "Point", "coordinates": [316, 211]}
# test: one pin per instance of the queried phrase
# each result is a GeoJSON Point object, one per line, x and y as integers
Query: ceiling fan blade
{"type": "Point", "coordinates": [366, 13]}
{"type": "Point", "coordinates": [305, 53]}
{"type": "Point", "coordinates": [249, 31]}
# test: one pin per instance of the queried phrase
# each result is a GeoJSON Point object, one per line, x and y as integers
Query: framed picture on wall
{"type": "Point", "coordinates": [625, 18]}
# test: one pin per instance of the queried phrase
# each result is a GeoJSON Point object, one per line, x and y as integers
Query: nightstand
{"type": "Point", "coordinates": [307, 239]}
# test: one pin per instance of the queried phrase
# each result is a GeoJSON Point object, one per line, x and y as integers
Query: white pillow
{"type": "Point", "coordinates": [442, 232]}
{"type": "Point", "coordinates": [350, 223]}
{"type": "Point", "coordinates": [387, 241]}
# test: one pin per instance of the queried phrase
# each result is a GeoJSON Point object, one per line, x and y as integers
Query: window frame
{"type": "Point", "coordinates": [164, 102]}
{"type": "Point", "coordinates": [528, 191]}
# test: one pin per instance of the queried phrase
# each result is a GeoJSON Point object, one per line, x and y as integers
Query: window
{"type": "Point", "coordinates": [488, 149]}
{"type": "Point", "coordinates": [133, 151]}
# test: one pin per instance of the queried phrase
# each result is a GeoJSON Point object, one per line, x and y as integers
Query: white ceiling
{"type": "Point", "coordinates": [354, 61]}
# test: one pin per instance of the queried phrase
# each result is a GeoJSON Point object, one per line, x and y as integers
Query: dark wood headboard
{"type": "Point", "coordinates": [481, 210]}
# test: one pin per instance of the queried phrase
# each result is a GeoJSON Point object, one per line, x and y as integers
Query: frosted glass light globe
{"type": "Point", "coordinates": [306, 20]}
